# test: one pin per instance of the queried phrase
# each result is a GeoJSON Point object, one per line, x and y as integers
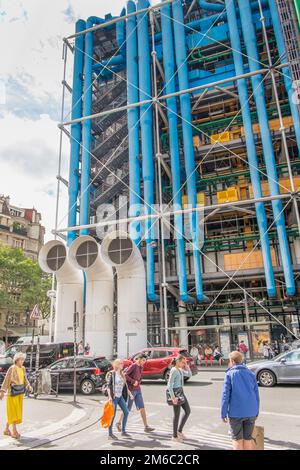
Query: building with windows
{"type": "Point", "coordinates": [194, 104]}
{"type": "Point", "coordinates": [21, 228]}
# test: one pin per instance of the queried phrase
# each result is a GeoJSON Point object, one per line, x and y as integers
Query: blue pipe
{"type": "Point", "coordinates": [169, 69]}
{"type": "Point", "coordinates": [121, 34]}
{"type": "Point", "coordinates": [87, 125]}
{"type": "Point", "coordinates": [259, 96]}
{"type": "Point", "coordinates": [73, 188]}
{"type": "Point", "coordinates": [146, 121]}
{"type": "Point", "coordinates": [185, 106]}
{"type": "Point", "coordinates": [286, 71]}
{"type": "Point", "coordinates": [250, 145]}
{"type": "Point", "coordinates": [133, 123]}
{"type": "Point", "coordinates": [210, 6]}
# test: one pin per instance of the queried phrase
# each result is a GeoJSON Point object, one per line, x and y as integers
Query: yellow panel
{"type": "Point", "coordinates": [273, 123]}
{"type": "Point", "coordinates": [230, 195]}
{"type": "Point", "coordinates": [222, 137]}
{"type": "Point", "coordinates": [201, 199]}
{"type": "Point", "coordinates": [222, 197]}
{"type": "Point", "coordinates": [185, 200]}
{"type": "Point", "coordinates": [246, 260]}
{"type": "Point", "coordinates": [233, 194]}
{"type": "Point", "coordinates": [284, 188]}
{"type": "Point", "coordinates": [196, 141]}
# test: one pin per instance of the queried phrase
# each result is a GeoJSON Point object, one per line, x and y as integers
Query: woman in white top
{"type": "Point", "coordinates": [116, 382]}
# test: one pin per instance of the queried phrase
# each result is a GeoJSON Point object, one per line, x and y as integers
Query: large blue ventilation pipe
{"type": "Point", "coordinates": [87, 125]}
{"type": "Point", "coordinates": [169, 69]}
{"type": "Point", "coordinates": [210, 6]}
{"type": "Point", "coordinates": [250, 145]}
{"type": "Point", "coordinates": [133, 123]}
{"type": "Point", "coordinates": [146, 121]}
{"type": "Point", "coordinates": [286, 71]}
{"type": "Point", "coordinates": [186, 114]}
{"type": "Point", "coordinates": [259, 95]}
{"type": "Point", "coordinates": [75, 129]}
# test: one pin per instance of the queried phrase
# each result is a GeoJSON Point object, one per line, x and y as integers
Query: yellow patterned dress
{"type": "Point", "coordinates": [14, 405]}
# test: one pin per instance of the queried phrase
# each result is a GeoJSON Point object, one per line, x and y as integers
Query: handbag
{"type": "Point", "coordinates": [16, 390]}
{"type": "Point", "coordinates": [178, 392]}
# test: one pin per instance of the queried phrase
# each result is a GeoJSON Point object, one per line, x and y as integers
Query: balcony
{"type": "Point", "coordinates": [20, 231]}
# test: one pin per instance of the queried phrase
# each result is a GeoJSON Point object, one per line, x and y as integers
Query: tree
{"type": "Point", "coordinates": [22, 283]}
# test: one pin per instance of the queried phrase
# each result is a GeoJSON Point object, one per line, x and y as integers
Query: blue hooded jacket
{"type": "Point", "coordinates": [240, 397]}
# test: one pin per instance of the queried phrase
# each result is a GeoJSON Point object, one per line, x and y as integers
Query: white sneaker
{"type": "Point", "coordinates": [181, 435]}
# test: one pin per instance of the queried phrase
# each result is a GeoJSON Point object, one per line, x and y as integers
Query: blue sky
{"type": "Point", "coordinates": [31, 33]}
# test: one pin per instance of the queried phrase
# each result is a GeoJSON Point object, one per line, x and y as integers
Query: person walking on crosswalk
{"type": "Point", "coordinates": [176, 396]}
{"type": "Point", "coordinates": [240, 402]}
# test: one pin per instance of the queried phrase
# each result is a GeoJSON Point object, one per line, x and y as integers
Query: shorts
{"type": "Point", "coordinates": [137, 399]}
{"type": "Point", "coordinates": [241, 428]}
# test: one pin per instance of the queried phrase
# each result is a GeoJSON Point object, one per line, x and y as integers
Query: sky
{"type": "Point", "coordinates": [31, 70]}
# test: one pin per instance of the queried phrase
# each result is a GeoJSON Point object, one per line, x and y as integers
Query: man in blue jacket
{"type": "Point", "coordinates": [240, 402]}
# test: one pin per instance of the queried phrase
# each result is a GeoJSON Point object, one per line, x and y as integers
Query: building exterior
{"type": "Point", "coordinates": [21, 228]}
{"type": "Point", "coordinates": [194, 103]}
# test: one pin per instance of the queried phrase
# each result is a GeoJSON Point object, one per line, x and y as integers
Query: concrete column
{"type": "Point", "coordinates": [183, 334]}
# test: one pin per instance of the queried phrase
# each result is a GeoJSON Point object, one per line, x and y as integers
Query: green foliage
{"type": "Point", "coordinates": [22, 283]}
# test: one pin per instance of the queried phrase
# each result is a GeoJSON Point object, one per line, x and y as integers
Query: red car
{"type": "Point", "coordinates": [159, 361]}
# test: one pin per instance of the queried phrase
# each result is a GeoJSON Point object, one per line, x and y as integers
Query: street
{"type": "Point", "coordinates": [69, 427]}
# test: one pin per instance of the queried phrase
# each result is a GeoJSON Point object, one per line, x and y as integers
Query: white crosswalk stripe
{"type": "Point", "coordinates": [196, 438]}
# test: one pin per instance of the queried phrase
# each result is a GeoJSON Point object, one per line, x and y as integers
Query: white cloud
{"type": "Point", "coordinates": [31, 67]}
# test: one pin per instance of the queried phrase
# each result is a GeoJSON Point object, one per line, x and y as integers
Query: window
{"type": "Point", "coordinates": [293, 357]}
{"type": "Point", "coordinates": [102, 364]}
{"type": "Point", "coordinates": [17, 243]}
{"type": "Point", "coordinates": [59, 365]}
{"type": "Point", "coordinates": [81, 363]}
{"type": "Point", "coordinates": [159, 354]}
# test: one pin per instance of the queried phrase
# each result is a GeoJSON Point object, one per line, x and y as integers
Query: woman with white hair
{"type": "Point", "coordinates": [15, 384]}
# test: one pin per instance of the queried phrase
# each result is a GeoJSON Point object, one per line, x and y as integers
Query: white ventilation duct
{"type": "Point", "coordinates": [118, 250]}
{"type": "Point", "coordinates": [85, 254]}
{"type": "Point", "coordinates": [53, 259]}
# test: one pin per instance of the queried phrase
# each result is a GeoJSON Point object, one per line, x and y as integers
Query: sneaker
{"type": "Point", "coordinates": [149, 429]}
{"type": "Point", "coordinates": [125, 434]}
{"type": "Point", "coordinates": [177, 439]}
{"type": "Point", "coordinates": [112, 437]}
{"type": "Point", "coordinates": [181, 435]}
{"type": "Point", "coordinates": [118, 426]}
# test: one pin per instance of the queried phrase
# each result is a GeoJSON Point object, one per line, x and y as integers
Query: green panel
{"type": "Point", "coordinates": [297, 7]}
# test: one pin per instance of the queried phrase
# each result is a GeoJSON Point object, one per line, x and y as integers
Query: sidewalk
{"type": "Point", "coordinates": [48, 418]}
{"type": "Point", "coordinates": [213, 368]}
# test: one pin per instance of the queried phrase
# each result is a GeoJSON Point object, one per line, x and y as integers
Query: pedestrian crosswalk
{"type": "Point", "coordinates": [196, 437]}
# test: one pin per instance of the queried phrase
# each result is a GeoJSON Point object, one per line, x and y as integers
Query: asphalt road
{"type": "Point", "coordinates": [280, 416]}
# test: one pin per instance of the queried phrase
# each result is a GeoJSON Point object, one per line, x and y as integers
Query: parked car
{"type": "Point", "coordinates": [284, 368]}
{"type": "Point", "coordinates": [159, 361]}
{"type": "Point", "coordinates": [28, 340]}
{"type": "Point", "coordinates": [49, 353]}
{"type": "Point", "coordinates": [90, 373]}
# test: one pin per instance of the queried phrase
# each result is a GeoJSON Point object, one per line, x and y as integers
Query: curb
{"type": "Point", "coordinates": [92, 415]}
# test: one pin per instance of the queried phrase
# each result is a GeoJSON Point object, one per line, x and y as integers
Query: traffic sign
{"type": "Point", "coordinates": [36, 313]}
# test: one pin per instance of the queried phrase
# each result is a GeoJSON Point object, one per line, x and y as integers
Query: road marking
{"type": "Point", "coordinates": [198, 407]}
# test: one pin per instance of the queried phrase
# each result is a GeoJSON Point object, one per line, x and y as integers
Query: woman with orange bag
{"type": "Point", "coordinates": [116, 382]}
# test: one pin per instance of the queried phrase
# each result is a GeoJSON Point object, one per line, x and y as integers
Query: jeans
{"type": "Point", "coordinates": [176, 408]}
{"type": "Point", "coordinates": [122, 404]}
